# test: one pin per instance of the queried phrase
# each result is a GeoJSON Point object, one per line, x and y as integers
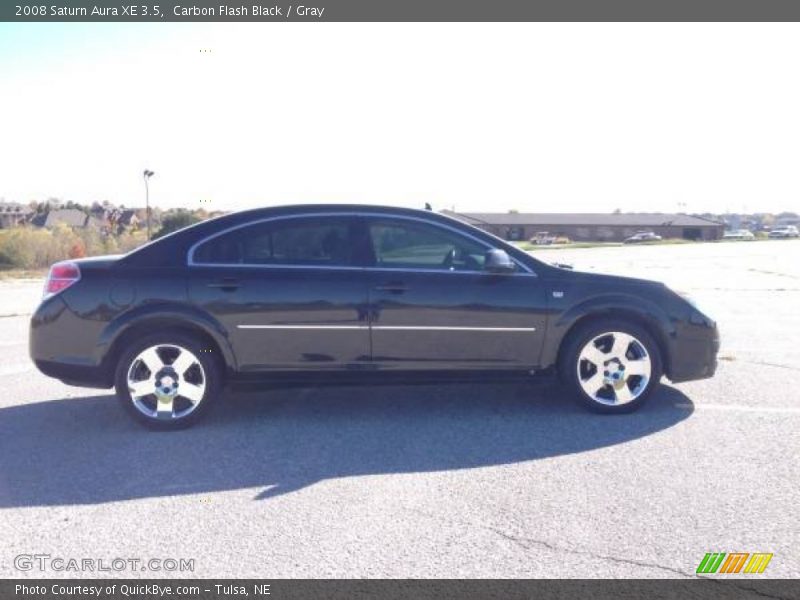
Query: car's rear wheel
{"type": "Point", "coordinates": [611, 366]}
{"type": "Point", "coordinates": [168, 380]}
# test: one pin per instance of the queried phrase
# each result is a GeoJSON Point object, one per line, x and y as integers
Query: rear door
{"type": "Point", "coordinates": [288, 291]}
{"type": "Point", "coordinates": [434, 307]}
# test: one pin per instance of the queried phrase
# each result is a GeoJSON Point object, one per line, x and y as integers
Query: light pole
{"type": "Point", "coordinates": [147, 174]}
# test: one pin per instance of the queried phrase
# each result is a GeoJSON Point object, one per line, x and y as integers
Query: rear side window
{"type": "Point", "coordinates": [320, 241]}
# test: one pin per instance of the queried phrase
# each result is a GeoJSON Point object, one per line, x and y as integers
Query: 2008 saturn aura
{"type": "Point", "coordinates": [323, 292]}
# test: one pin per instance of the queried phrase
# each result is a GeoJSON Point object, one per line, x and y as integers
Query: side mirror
{"type": "Point", "coordinates": [497, 261]}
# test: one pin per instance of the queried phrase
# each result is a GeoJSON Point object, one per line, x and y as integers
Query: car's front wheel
{"type": "Point", "coordinates": [168, 380]}
{"type": "Point", "coordinates": [611, 366]}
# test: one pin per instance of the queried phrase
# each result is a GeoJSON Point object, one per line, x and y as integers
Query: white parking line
{"type": "Point", "coordinates": [16, 369]}
{"type": "Point", "coordinates": [8, 343]}
{"type": "Point", "coordinates": [784, 410]}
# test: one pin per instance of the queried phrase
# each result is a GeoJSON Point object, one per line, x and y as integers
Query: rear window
{"type": "Point", "coordinates": [299, 241]}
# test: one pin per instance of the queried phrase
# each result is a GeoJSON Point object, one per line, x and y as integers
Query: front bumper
{"type": "Point", "coordinates": [694, 352]}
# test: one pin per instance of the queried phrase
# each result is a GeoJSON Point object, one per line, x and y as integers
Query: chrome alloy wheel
{"type": "Point", "coordinates": [614, 368]}
{"type": "Point", "coordinates": [166, 382]}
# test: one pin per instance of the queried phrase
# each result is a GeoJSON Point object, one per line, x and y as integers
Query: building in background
{"type": "Point", "coordinates": [71, 217]}
{"type": "Point", "coordinates": [593, 227]}
{"type": "Point", "coordinates": [787, 219]}
{"type": "Point", "coordinates": [13, 214]}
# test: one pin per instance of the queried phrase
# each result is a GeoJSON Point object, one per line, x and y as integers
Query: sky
{"type": "Point", "coordinates": [476, 117]}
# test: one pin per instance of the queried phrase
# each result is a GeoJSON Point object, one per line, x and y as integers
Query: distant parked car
{"type": "Point", "coordinates": [642, 236]}
{"type": "Point", "coordinates": [543, 238]}
{"type": "Point", "coordinates": [790, 231]}
{"type": "Point", "coordinates": [738, 234]}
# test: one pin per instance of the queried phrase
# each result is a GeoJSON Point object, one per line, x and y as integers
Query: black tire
{"type": "Point", "coordinates": [209, 373]}
{"type": "Point", "coordinates": [569, 366]}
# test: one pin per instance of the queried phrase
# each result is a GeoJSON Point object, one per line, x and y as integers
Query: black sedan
{"type": "Point", "coordinates": [323, 293]}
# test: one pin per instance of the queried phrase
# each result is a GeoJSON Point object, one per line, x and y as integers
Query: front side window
{"type": "Point", "coordinates": [399, 244]}
{"type": "Point", "coordinates": [305, 241]}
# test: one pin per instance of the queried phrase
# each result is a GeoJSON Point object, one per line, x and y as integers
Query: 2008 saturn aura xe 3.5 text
{"type": "Point", "coordinates": [354, 293]}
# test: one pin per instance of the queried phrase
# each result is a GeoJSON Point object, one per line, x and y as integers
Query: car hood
{"type": "Point", "coordinates": [604, 280]}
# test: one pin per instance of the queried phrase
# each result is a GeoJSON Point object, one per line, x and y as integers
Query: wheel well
{"type": "Point", "coordinates": [626, 315]}
{"type": "Point", "coordinates": [160, 325]}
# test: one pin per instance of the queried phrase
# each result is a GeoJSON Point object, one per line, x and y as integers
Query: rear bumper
{"type": "Point", "coordinates": [61, 345]}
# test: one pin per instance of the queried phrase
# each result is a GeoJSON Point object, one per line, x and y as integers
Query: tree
{"type": "Point", "coordinates": [175, 221]}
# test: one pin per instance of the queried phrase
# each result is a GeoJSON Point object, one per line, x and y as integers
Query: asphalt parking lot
{"type": "Point", "coordinates": [483, 480]}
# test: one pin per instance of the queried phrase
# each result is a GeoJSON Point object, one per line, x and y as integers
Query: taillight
{"type": "Point", "coordinates": [61, 276]}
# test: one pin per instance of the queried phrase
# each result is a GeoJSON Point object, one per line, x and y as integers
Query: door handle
{"type": "Point", "coordinates": [394, 288]}
{"type": "Point", "coordinates": [226, 285]}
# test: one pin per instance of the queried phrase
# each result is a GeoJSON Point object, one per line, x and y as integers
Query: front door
{"type": "Point", "coordinates": [434, 307]}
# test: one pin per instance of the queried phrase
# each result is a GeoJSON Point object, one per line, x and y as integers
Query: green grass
{"type": "Point", "coordinates": [531, 247]}
{"type": "Point", "coordinates": [528, 247]}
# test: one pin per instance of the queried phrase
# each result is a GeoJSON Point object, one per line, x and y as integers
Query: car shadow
{"type": "Point", "coordinates": [88, 451]}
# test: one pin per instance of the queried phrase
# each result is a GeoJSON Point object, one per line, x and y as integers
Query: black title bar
{"type": "Point", "coordinates": [401, 10]}
{"type": "Point", "coordinates": [505, 589]}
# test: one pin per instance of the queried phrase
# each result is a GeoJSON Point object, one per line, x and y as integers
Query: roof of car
{"type": "Point", "coordinates": [332, 208]}
{"type": "Point", "coordinates": [288, 209]}
{"type": "Point", "coordinates": [171, 248]}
